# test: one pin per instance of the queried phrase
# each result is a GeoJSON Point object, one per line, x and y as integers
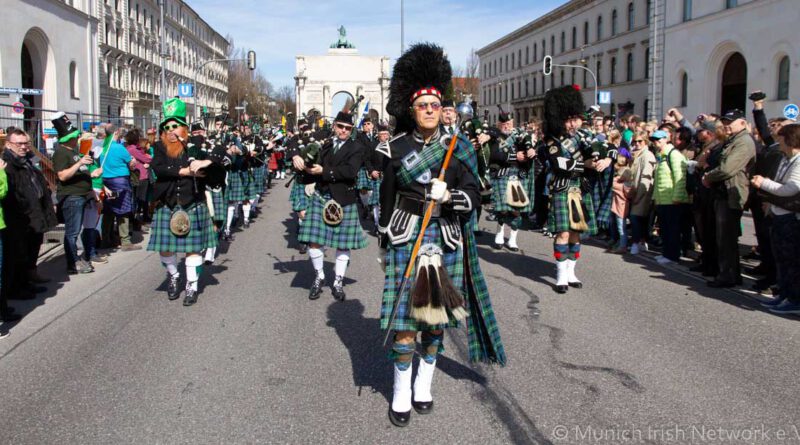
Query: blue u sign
{"type": "Point", "coordinates": [185, 90]}
{"type": "Point", "coordinates": [791, 111]}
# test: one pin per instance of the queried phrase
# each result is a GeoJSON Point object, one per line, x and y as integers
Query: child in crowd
{"type": "Point", "coordinates": [620, 205]}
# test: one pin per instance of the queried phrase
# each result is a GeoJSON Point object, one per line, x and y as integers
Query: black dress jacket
{"type": "Point", "coordinates": [173, 189]}
{"type": "Point", "coordinates": [340, 170]}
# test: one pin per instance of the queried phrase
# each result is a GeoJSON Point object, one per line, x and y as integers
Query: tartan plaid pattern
{"type": "Point", "coordinates": [257, 186]}
{"type": "Point", "coordinates": [362, 180]}
{"type": "Point", "coordinates": [347, 235]}
{"type": "Point", "coordinates": [375, 198]}
{"type": "Point", "coordinates": [602, 196]}
{"type": "Point", "coordinates": [558, 218]}
{"type": "Point", "coordinates": [499, 185]}
{"type": "Point", "coordinates": [298, 196]}
{"type": "Point", "coordinates": [220, 206]}
{"type": "Point", "coordinates": [201, 236]}
{"type": "Point", "coordinates": [238, 186]}
{"type": "Point", "coordinates": [396, 262]}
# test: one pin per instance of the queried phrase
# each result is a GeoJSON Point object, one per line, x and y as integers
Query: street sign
{"type": "Point", "coordinates": [185, 90]}
{"type": "Point", "coordinates": [604, 97]}
{"type": "Point", "coordinates": [18, 107]}
{"type": "Point", "coordinates": [50, 131]}
{"type": "Point", "coordinates": [22, 91]}
{"type": "Point", "coordinates": [791, 111]}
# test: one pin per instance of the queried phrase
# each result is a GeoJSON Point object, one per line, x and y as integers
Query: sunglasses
{"type": "Point", "coordinates": [344, 127]}
{"type": "Point", "coordinates": [422, 106]}
{"type": "Point", "coordinates": [171, 126]}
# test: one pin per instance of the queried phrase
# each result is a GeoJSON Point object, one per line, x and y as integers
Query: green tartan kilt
{"type": "Point", "coordinates": [499, 185]}
{"type": "Point", "coordinates": [298, 197]}
{"type": "Point", "coordinates": [257, 188]}
{"type": "Point", "coordinates": [201, 235]}
{"type": "Point", "coordinates": [375, 197]}
{"type": "Point", "coordinates": [347, 235]}
{"type": "Point", "coordinates": [220, 206]}
{"type": "Point", "coordinates": [558, 218]}
{"type": "Point", "coordinates": [238, 188]}
{"type": "Point", "coordinates": [362, 180]}
{"type": "Point", "coordinates": [396, 262]}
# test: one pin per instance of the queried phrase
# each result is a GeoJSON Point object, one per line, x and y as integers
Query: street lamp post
{"type": "Point", "coordinates": [548, 71]}
{"type": "Point", "coordinates": [162, 52]}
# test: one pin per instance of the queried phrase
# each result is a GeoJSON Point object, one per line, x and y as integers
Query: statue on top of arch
{"type": "Point", "coordinates": [342, 42]}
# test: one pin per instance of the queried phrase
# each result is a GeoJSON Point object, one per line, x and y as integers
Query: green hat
{"type": "Point", "coordinates": [174, 110]}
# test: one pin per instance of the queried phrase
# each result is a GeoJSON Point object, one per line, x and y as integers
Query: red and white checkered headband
{"type": "Point", "coordinates": [430, 91]}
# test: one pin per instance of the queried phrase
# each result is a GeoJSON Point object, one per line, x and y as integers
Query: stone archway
{"type": "Point", "coordinates": [733, 85]}
{"type": "Point", "coordinates": [38, 71]}
{"type": "Point", "coordinates": [339, 101]}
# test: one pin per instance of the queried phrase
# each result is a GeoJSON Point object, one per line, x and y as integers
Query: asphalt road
{"type": "Point", "coordinates": [642, 354]}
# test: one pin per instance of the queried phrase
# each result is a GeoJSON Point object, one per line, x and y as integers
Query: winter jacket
{"type": "Point", "coordinates": [730, 178]}
{"type": "Point", "coordinates": [29, 202]}
{"type": "Point", "coordinates": [670, 185]}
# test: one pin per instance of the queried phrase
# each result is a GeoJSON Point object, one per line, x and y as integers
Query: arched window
{"type": "Point", "coordinates": [586, 32]}
{"type": "Point", "coordinates": [613, 70]}
{"type": "Point", "coordinates": [631, 16]}
{"type": "Point", "coordinates": [687, 10]}
{"type": "Point", "coordinates": [73, 80]}
{"type": "Point", "coordinates": [783, 78]}
{"type": "Point", "coordinates": [647, 63]}
{"type": "Point", "coordinates": [600, 28]}
{"type": "Point", "coordinates": [613, 22]}
{"type": "Point", "coordinates": [629, 68]}
{"type": "Point", "coordinates": [574, 37]}
{"type": "Point", "coordinates": [684, 89]}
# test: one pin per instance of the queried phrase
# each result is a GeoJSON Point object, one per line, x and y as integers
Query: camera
{"type": "Point", "coordinates": [757, 96]}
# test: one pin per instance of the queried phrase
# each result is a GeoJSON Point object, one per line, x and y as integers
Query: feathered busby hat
{"type": "Point", "coordinates": [422, 70]}
{"type": "Point", "coordinates": [561, 104]}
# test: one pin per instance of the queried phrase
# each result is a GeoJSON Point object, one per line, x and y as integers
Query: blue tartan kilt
{"type": "Point", "coordinates": [298, 197]}
{"type": "Point", "coordinates": [499, 185]}
{"type": "Point", "coordinates": [347, 235]}
{"type": "Point", "coordinates": [259, 173]}
{"type": "Point", "coordinates": [602, 196]}
{"type": "Point", "coordinates": [396, 262]}
{"type": "Point", "coordinates": [201, 235]}
{"type": "Point", "coordinates": [220, 206]}
{"type": "Point", "coordinates": [375, 198]}
{"type": "Point", "coordinates": [238, 186]}
{"type": "Point", "coordinates": [362, 180]}
{"type": "Point", "coordinates": [558, 217]}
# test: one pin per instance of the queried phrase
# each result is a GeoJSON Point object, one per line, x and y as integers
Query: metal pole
{"type": "Point", "coordinates": [594, 77]}
{"type": "Point", "coordinates": [654, 56]}
{"type": "Point", "coordinates": [162, 52]}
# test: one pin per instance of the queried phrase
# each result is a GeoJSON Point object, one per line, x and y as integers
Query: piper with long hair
{"type": "Point", "coordinates": [181, 222]}
{"type": "Point", "coordinates": [429, 192]}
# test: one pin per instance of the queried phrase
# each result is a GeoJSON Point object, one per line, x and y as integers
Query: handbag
{"type": "Point", "coordinates": [577, 217]}
{"type": "Point", "coordinates": [179, 222]}
{"type": "Point", "coordinates": [515, 194]}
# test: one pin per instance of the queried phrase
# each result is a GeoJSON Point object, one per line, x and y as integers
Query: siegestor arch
{"type": "Point", "coordinates": [339, 100]}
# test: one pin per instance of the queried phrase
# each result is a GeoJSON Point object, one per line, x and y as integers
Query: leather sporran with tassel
{"type": "Point", "coordinates": [434, 297]}
{"type": "Point", "coordinates": [515, 194]}
{"type": "Point", "coordinates": [577, 217]}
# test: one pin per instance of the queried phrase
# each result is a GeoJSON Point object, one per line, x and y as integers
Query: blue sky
{"type": "Point", "coordinates": [280, 29]}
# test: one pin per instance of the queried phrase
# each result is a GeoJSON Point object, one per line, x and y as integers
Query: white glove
{"type": "Point", "coordinates": [439, 191]}
{"type": "Point", "coordinates": [382, 258]}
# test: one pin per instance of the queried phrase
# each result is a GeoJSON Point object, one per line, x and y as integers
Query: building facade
{"type": "Point", "coordinates": [717, 52]}
{"type": "Point", "coordinates": [130, 62]}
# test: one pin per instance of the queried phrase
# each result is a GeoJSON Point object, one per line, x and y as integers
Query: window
{"type": "Point", "coordinates": [574, 37]}
{"type": "Point", "coordinates": [631, 16]}
{"type": "Point", "coordinates": [783, 78]}
{"type": "Point", "coordinates": [600, 28]}
{"type": "Point", "coordinates": [563, 41]}
{"type": "Point", "coordinates": [613, 70]}
{"type": "Point", "coordinates": [562, 77]}
{"type": "Point", "coordinates": [506, 64]}
{"type": "Point", "coordinates": [646, 109]}
{"type": "Point", "coordinates": [586, 33]}
{"type": "Point", "coordinates": [534, 84]}
{"type": "Point", "coordinates": [527, 91]}
{"type": "Point", "coordinates": [687, 10]}
{"type": "Point", "coordinates": [585, 77]}
{"type": "Point", "coordinates": [731, 3]}
{"type": "Point", "coordinates": [535, 52]}
{"type": "Point", "coordinates": [544, 48]}
{"type": "Point", "coordinates": [572, 77]}
{"type": "Point", "coordinates": [684, 89]}
{"type": "Point", "coordinates": [598, 73]}
{"type": "Point", "coordinates": [512, 61]}
{"type": "Point", "coordinates": [553, 45]}
{"type": "Point", "coordinates": [73, 80]}
{"type": "Point", "coordinates": [629, 68]}
{"type": "Point", "coordinates": [649, 10]}
{"type": "Point", "coordinates": [647, 63]}
{"type": "Point", "coordinates": [613, 22]}
{"type": "Point", "coordinates": [519, 58]}
{"type": "Point", "coordinates": [527, 55]}
{"type": "Point", "coordinates": [512, 91]}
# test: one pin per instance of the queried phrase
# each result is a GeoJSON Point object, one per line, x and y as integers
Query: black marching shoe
{"type": "Point", "coordinates": [227, 237]}
{"type": "Point", "coordinates": [513, 249]}
{"type": "Point", "coordinates": [303, 249]}
{"type": "Point", "coordinates": [246, 225]}
{"type": "Point", "coordinates": [338, 289]}
{"type": "Point", "coordinates": [191, 297]}
{"type": "Point", "coordinates": [422, 407]}
{"type": "Point", "coordinates": [496, 246]}
{"type": "Point", "coordinates": [316, 289]}
{"type": "Point", "coordinates": [172, 287]}
{"type": "Point", "coordinates": [561, 288]}
{"type": "Point", "coordinates": [576, 284]}
{"type": "Point", "coordinates": [399, 419]}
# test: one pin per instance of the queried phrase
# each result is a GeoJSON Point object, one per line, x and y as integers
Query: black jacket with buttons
{"type": "Point", "coordinates": [340, 170]}
{"type": "Point", "coordinates": [171, 188]}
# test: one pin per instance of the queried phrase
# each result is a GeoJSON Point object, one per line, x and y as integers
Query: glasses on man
{"type": "Point", "coordinates": [639, 141]}
{"type": "Point", "coordinates": [171, 126]}
{"type": "Point", "coordinates": [344, 127]}
{"type": "Point", "coordinates": [21, 143]}
{"type": "Point", "coordinates": [422, 106]}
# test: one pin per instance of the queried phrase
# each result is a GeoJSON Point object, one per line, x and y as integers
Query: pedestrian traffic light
{"type": "Point", "coordinates": [251, 60]}
{"type": "Point", "coordinates": [548, 65]}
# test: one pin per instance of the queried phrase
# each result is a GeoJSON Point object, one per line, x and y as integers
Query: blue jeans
{"type": "Point", "coordinates": [72, 208]}
{"type": "Point", "coordinates": [669, 223]}
{"type": "Point", "coordinates": [638, 228]}
{"type": "Point", "coordinates": [622, 231]}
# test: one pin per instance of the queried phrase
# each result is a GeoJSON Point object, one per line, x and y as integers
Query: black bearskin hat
{"type": "Point", "coordinates": [561, 104]}
{"type": "Point", "coordinates": [423, 66]}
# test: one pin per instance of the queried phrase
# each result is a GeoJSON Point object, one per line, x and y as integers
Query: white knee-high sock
{"type": "Point", "coordinates": [318, 261]}
{"type": "Point", "coordinates": [211, 254]}
{"type": "Point", "coordinates": [500, 237]}
{"type": "Point", "coordinates": [194, 265]}
{"type": "Point", "coordinates": [229, 220]}
{"type": "Point", "coordinates": [512, 238]}
{"type": "Point", "coordinates": [401, 397]}
{"type": "Point", "coordinates": [246, 211]}
{"type": "Point", "coordinates": [171, 264]}
{"type": "Point", "coordinates": [342, 258]}
{"type": "Point", "coordinates": [422, 384]}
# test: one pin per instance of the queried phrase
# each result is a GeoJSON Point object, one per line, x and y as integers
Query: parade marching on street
{"type": "Point", "coordinates": [399, 248]}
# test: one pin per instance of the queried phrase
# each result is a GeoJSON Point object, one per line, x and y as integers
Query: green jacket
{"type": "Point", "coordinates": [670, 183]}
{"type": "Point", "coordinates": [3, 192]}
{"type": "Point", "coordinates": [738, 155]}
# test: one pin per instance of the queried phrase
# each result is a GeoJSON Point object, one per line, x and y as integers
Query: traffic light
{"type": "Point", "coordinates": [251, 60]}
{"type": "Point", "coordinates": [548, 65]}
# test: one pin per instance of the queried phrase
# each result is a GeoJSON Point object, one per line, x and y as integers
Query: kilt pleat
{"type": "Point", "coordinates": [396, 262]}
{"type": "Point", "coordinates": [602, 196]}
{"type": "Point", "coordinates": [375, 198]}
{"type": "Point", "coordinates": [558, 217]}
{"type": "Point", "coordinates": [362, 180]}
{"type": "Point", "coordinates": [201, 236]}
{"type": "Point", "coordinates": [257, 188]}
{"type": "Point", "coordinates": [220, 206]}
{"type": "Point", "coordinates": [238, 186]}
{"type": "Point", "coordinates": [298, 197]}
{"type": "Point", "coordinates": [347, 235]}
{"type": "Point", "coordinates": [499, 185]}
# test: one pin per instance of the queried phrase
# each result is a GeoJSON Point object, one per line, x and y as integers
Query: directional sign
{"type": "Point", "coordinates": [50, 131]}
{"type": "Point", "coordinates": [791, 111]}
{"type": "Point", "coordinates": [185, 90]}
{"type": "Point", "coordinates": [22, 91]}
{"type": "Point", "coordinates": [604, 97]}
{"type": "Point", "coordinates": [17, 107]}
